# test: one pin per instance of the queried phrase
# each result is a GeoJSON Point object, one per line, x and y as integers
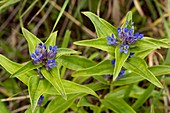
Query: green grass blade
{"type": "Point", "coordinates": [60, 14]}
{"type": "Point", "coordinates": [142, 99]}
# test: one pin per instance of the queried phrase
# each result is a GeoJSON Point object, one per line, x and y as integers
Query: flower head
{"type": "Point", "coordinates": [126, 37]}
{"type": "Point", "coordinates": [42, 56]}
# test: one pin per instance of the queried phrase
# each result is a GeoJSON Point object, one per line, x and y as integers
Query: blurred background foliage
{"type": "Point", "coordinates": [151, 17]}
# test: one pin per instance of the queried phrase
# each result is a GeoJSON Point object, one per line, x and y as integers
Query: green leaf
{"type": "Point", "coordinates": [11, 67]}
{"type": "Point", "coordinates": [72, 88]}
{"type": "Point", "coordinates": [66, 39]}
{"type": "Point", "coordinates": [120, 59]}
{"type": "Point", "coordinates": [31, 39]}
{"type": "Point", "coordinates": [53, 76]}
{"type": "Point", "coordinates": [51, 41]}
{"type": "Point", "coordinates": [38, 109]}
{"type": "Point", "coordinates": [117, 105]}
{"type": "Point", "coordinates": [111, 28]}
{"type": "Point", "coordinates": [3, 109]}
{"type": "Point", "coordinates": [66, 51]}
{"type": "Point", "coordinates": [59, 105]}
{"type": "Point", "coordinates": [75, 62]}
{"type": "Point", "coordinates": [136, 92]}
{"type": "Point", "coordinates": [36, 88]}
{"type": "Point", "coordinates": [160, 70]}
{"type": "Point", "coordinates": [101, 79]}
{"type": "Point", "coordinates": [146, 43]}
{"type": "Point", "coordinates": [142, 99]}
{"type": "Point", "coordinates": [134, 78]}
{"type": "Point", "coordinates": [158, 42]}
{"type": "Point", "coordinates": [139, 66]}
{"type": "Point", "coordinates": [102, 27]}
{"type": "Point", "coordinates": [97, 86]}
{"type": "Point", "coordinates": [143, 54]}
{"type": "Point", "coordinates": [83, 103]}
{"type": "Point", "coordinates": [104, 67]}
{"type": "Point", "coordinates": [6, 4]}
{"type": "Point", "coordinates": [27, 67]}
{"type": "Point", "coordinates": [128, 18]}
{"type": "Point", "coordinates": [100, 43]}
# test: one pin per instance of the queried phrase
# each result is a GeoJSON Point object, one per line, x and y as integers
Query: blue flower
{"type": "Point", "coordinates": [121, 74]}
{"type": "Point", "coordinates": [52, 53]}
{"type": "Point", "coordinates": [40, 100]}
{"type": "Point", "coordinates": [50, 64]}
{"type": "Point", "coordinates": [131, 54]}
{"type": "Point", "coordinates": [113, 62]}
{"type": "Point", "coordinates": [124, 48]}
{"type": "Point", "coordinates": [111, 40]}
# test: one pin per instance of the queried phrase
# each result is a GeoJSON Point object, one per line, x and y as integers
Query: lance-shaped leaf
{"type": "Point", "coordinates": [100, 43]}
{"type": "Point", "coordinates": [36, 88]}
{"type": "Point", "coordinates": [139, 66]}
{"type": "Point", "coordinates": [27, 67]}
{"type": "Point", "coordinates": [104, 67]}
{"type": "Point", "coordinates": [72, 88]}
{"type": "Point", "coordinates": [75, 62]}
{"type": "Point", "coordinates": [143, 54]}
{"type": "Point", "coordinates": [51, 41]}
{"type": "Point", "coordinates": [158, 42]}
{"type": "Point", "coordinates": [120, 59]}
{"type": "Point", "coordinates": [59, 105]}
{"type": "Point", "coordinates": [134, 78]}
{"type": "Point", "coordinates": [53, 76]}
{"type": "Point", "coordinates": [102, 27]}
{"type": "Point", "coordinates": [140, 44]}
{"type": "Point", "coordinates": [11, 67]}
{"type": "Point", "coordinates": [117, 105]}
{"type": "Point", "coordinates": [128, 18]}
{"type": "Point", "coordinates": [66, 51]}
{"type": "Point", "coordinates": [31, 39]}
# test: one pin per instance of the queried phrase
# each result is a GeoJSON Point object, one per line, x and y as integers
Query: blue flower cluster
{"type": "Point", "coordinates": [126, 37]}
{"type": "Point", "coordinates": [42, 56]}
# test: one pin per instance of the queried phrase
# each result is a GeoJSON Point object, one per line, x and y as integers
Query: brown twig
{"type": "Point", "coordinates": [20, 109]}
{"type": "Point", "coordinates": [15, 98]}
